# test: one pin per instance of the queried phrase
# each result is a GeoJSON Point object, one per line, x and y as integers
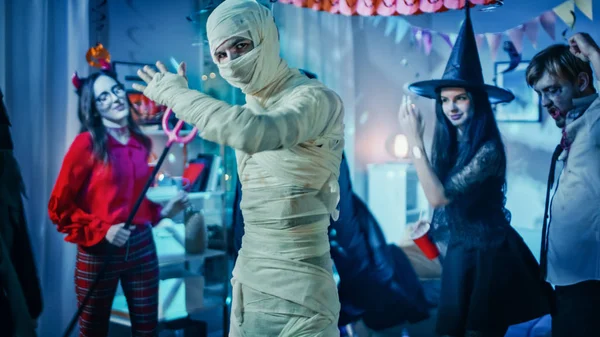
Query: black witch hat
{"type": "Point", "coordinates": [463, 69]}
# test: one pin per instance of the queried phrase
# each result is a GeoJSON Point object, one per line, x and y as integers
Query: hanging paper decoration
{"type": "Point", "coordinates": [493, 40]}
{"type": "Point", "coordinates": [548, 22]}
{"type": "Point", "coordinates": [516, 36]}
{"type": "Point", "coordinates": [377, 20]}
{"type": "Point", "coordinates": [417, 34]}
{"type": "Point", "coordinates": [406, 7]}
{"type": "Point", "coordinates": [570, 22]}
{"type": "Point", "coordinates": [364, 8]}
{"type": "Point", "coordinates": [513, 55]}
{"type": "Point", "coordinates": [447, 39]}
{"type": "Point", "coordinates": [531, 30]}
{"type": "Point", "coordinates": [432, 6]}
{"type": "Point", "coordinates": [585, 6]}
{"type": "Point", "coordinates": [453, 38]}
{"type": "Point", "coordinates": [386, 7]}
{"type": "Point", "coordinates": [479, 38]}
{"type": "Point", "coordinates": [454, 4]}
{"type": "Point", "coordinates": [427, 42]}
{"type": "Point", "coordinates": [346, 7]}
{"type": "Point", "coordinates": [314, 5]}
{"type": "Point", "coordinates": [389, 26]}
{"type": "Point", "coordinates": [563, 11]}
{"type": "Point", "coordinates": [402, 28]}
{"type": "Point", "coordinates": [98, 57]}
{"type": "Point", "coordinates": [423, 37]}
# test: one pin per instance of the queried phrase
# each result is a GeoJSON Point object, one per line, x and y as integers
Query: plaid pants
{"type": "Point", "coordinates": [136, 268]}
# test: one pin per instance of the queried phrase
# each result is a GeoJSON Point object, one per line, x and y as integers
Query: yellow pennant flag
{"type": "Point", "coordinates": [564, 10]}
{"type": "Point", "coordinates": [585, 6]}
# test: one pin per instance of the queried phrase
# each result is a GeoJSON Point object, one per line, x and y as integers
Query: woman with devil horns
{"type": "Point", "coordinates": [102, 175]}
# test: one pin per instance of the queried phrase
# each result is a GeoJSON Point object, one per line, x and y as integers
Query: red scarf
{"type": "Point", "coordinates": [565, 142]}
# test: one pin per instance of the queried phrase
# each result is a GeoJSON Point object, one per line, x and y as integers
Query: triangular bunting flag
{"type": "Point", "coordinates": [376, 20]}
{"type": "Point", "coordinates": [417, 34]}
{"type": "Point", "coordinates": [548, 22]}
{"type": "Point", "coordinates": [390, 25]}
{"type": "Point", "coordinates": [531, 31]}
{"type": "Point", "coordinates": [446, 38]}
{"type": "Point", "coordinates": [453, 38]}
{"type": "Point", "coordinates": [427, 43]}
{"type": "Point", "coordinates": [480, 38]}
{"type": "Point", "coordinates": [564, 12]}
{"type": "Point", "coordinates": [585, 6]}
{"type": "Point", "coordinates": [516, 36]}
{"type": "Point", "coordinates": [493, 40]}
{"type": "Point", "coordinates": [402, 26]}
{"type": "Point", "coordinates": [423, 37]}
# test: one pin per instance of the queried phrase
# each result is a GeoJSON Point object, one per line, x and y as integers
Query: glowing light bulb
{"type": "Point", "coordinates": [400, 146]}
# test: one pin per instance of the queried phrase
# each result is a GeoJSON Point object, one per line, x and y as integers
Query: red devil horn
{"type": "Point", "coordinates": [76, 81]}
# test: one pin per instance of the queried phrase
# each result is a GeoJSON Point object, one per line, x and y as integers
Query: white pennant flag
{"type": "Point", "coordinates": [402, 26]}
{"type": "Point", "coordinates": [585, 6]}
{"type": "Point", "coordinates": [390, 25]}
{"type": "Point", "coordinates": [376, 20]}
{"type": "Point", "coordinates": [453, 38]}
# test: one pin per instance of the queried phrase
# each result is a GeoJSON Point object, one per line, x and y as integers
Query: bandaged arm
{"type": "Point", "coordinates": [303, 117]}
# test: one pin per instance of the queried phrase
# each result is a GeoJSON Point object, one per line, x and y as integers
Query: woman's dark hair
{"type": "Point", "coordinates": [91, 120]}
{"type": "Point", "coordinates": [448, 154]}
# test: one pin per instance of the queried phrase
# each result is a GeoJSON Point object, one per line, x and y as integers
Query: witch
{"type": "Point", "coordinates": [490, 278]}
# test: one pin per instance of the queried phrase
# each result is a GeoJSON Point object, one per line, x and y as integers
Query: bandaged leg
{"type": "Point", "coordinates": [258, 315]}
{"type": "Point", "coordinates": [277, 309]}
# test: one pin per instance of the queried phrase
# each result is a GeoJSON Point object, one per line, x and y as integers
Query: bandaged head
{"type": "Point", "coordinates": [262, 66]}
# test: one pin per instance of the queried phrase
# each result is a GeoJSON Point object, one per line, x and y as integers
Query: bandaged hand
{"type": "Point", "coordinates": [160, 83]}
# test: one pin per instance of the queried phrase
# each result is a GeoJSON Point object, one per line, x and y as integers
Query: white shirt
{"type": "Point", "coordinates": [574, 233]}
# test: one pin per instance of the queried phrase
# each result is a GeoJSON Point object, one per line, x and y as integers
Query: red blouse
{"type": "Point", "coordinates": [90, 196]}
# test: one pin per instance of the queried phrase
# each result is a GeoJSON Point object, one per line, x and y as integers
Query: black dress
{"type": "Point", "coordinates": [490, 278]}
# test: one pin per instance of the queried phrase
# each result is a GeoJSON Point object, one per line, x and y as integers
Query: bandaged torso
{"type": "Point", "coordinates": [288, 150]}
{"type": "Point", "coordinates": [288, 197]}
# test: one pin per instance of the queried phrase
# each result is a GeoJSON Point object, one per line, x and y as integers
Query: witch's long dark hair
{"type": "Point", "coordinates": [92, 121]}
{"type": "Point", "coordinates": [448, 154]}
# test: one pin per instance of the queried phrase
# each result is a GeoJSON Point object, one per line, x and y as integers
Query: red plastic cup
{"type": "Point", "coordinates": [421, 239]}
